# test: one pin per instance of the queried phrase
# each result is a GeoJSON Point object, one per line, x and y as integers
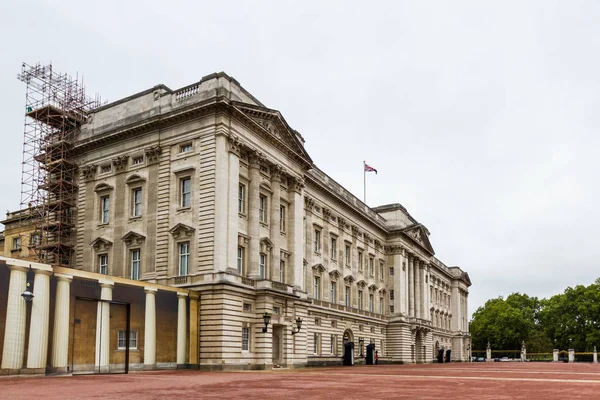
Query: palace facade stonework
{"type": "Point", "coordinates": [209, 195]}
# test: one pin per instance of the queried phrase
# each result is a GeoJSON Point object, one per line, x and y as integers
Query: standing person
{"type": "Point", "coordinates": [376, 357]}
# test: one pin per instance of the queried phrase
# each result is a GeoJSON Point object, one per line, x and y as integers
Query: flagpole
{"type": "Point", "coordinates": [364, 182]}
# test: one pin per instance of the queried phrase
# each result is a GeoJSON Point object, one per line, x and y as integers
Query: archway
{"type": "Point", "coordinates": [437, 349]}
{"type": "Point", "coordinates": [348, 336]}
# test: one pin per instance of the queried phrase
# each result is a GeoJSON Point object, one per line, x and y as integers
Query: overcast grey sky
{"type": "Point", "coordinates": [481, 117]}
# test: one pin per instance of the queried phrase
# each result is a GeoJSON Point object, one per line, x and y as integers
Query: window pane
{"type": "Point", "coordinates": [186, 192]}
{"type": "Point", "coordinates": [184, 258]}
{"type": "Point", "coordinates": [261, 266]}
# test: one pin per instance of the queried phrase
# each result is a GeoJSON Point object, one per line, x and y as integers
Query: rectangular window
{"type": "Point", "coordinates": [347, 298]}
{"type": "Point", "coordinates": [105, 169]}
{"type": "Point", "coordinates": [241, 198]}
{"type": "Point", "coordinates": [391, 309]}
{"type": "Point", "coordinates": [281, 271]}
{"type": "Point", "coordinates": [136, 206]}
{"type": "Point", "coordinates": [316, 343]}
{"type": "Point", "coordinates": [332, 292]}
{"type": "Point", "coordinates": [360, 260]}
{"type": "Point", "coordinates": [247, 307]}
{"type": "Point", "coordinates": [245, 339]}
{"type": "Point", "coordinates": [16, 243]}
{"type": "Point", "coordinates": [380, 271]}
{"type": "Point", "coordinates": [332, 345]}
{"type": "Point", "coordinates": [135, 264]}
{"type": "Point", "coordinates": [138, 160]}
{"type": "Point", "coordinates": [282, 218]}
{"type": "Point", "coordinates": [347, 253]}
{"type": "Point", "coordinates": [262, 208]}
{"type": "Point", "coordinates": [317, 241]}
{"type": "Point", "coordinates": [391, 294]}
{"type": "Point", "coordinates": [381, 305]}
{"type": "Point", "coordinates": [391, 271]}
{"type": "Point", "coordinates": [105, 209]}
{"type": "Point", "coordinates": [186, 192]}
{"type": "Point", "coordinates": [370, 303]}
{"type": "Point", "coordinates": [184, 258]}
{"type": "Point", "coordinates": [35, 239]}
{"type": "Point", "coordinates": [103, 264]}
{"type": "Point", "coordinates": [133, 340]}
{"type": "Point", "coordinates": [317, 286]}
{"type": "Point", "coordinates": [360, 299]}
{"type": "Point", "coordinates": [371, 266]}
{"type": "Point", "coordinates": [333, 248]}
{"type": "Point", "coordinates": [186, 148]}
{"type": "Point", "coordinates": [240, 260]}
{"type": "Point", "coordinates": [262, 267]}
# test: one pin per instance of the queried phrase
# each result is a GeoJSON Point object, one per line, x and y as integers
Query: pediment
{"type": "Point", "coordinates": [133, 238]}
{"type": "Point", "coordinates": [349, 278]}
{"type": "Point", "coordinates": [361, 284]}
{"type": "Point", "coordinates": [465, 278]}
{"type": "Point", "coordinates": [419, 234]}
{"type": "Point", "coordinates": [272, 123]}
{"type": "Point", "coordinates": [180, 230]}
{"type": "Point", "coordinates": [372, 288]}
{"type": "Point", "coordinates": [318, 268]}
{"type": "Point", "coordinates": [135, 178]}
{"type": "Point", "coordinates": [100, 244]}
{"type": "Point", "coordinates": [335, 274]}
{"type": "Point", "coordinates": [103, 187]}
{"type": "Point", "coordinates": [266, 244]}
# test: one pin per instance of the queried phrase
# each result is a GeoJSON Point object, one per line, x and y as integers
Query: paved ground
{"type": "Point", "coordinates": [448, 381]}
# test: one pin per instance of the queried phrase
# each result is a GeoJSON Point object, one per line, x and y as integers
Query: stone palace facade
{"type": "Point", "coordinates": [206, 191]}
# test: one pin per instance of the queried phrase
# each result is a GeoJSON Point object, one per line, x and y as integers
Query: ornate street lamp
{"type": "Point", "coordinates": [27, 295]}
{"type": "Point", "coordinates": [266, 319]}
{"type": "Point", "coordinates": [298, 325]}
{"type": "Point", "coordinates": [361, 341]}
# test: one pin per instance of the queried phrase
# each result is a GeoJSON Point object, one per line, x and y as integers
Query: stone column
{"type": "Point", "coordinates": [488, 353]}
{"type": "Point", "coordinates": [523, 352]}
{"type": "Point", "coordinates": [232, 212]}
{"type": "Point", "coordinates": [423, 310]}
{"type": "Point", "coordinates": [181, 328]}
{"type": "Point", "coordinates": [16, 311]}
{"type": "Point", "coordinates": [274, 230]}
{"type": "Point", "coordinates": [455, 308]}
{"type": "Point", "coordinates": [555, 355]}
{"type": "Point", "coordinates": [411, 287]}
{"type": "Point", "coordinates": [193, 350]}
{"type": "Point", "coordinates": [595, 356]}
{"type": "Point", "coordinates": [37, 353]}
{"type": "Point", "coordinates": [418, 289]}
{"type": "Point", "coordinates": [398, 285]}
{"type": "Point", "coordinates": [571, 355]}
{"type": "Point", "coordinates": [60, 335]}
{"type": "Point", "coordinates": [221, 205]}
{"type": "Point", "coordinates": [296, 224]}
{"type": "Point", "coordinates": [253, 218]}
{"type": "Point", "coordinates": [150, 329]}
{"type": "Point", "coordinates": [102, 359]}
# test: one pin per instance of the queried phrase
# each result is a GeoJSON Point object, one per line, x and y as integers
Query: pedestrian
{"type": "Point", "coordinates": [376, 357]}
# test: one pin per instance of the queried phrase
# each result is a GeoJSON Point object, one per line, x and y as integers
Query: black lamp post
{"type": "Point", "coordinates": [266, 319]}
{"type": "Point", "coordinates": [27, 295]}
{"type": "Point", "coordinates": [298, 325]}
{"type": "Point", "coordinates": [361, 341]}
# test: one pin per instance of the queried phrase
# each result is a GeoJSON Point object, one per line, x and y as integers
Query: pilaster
{"type": "Point", "coordinates": [274, 228]}
{"type": "Point", "coordinates": [232, 212]}
{"type": "Point", "coordinates": [254, 159]}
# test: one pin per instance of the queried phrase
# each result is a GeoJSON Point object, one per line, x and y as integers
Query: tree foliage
{"type": "Point", "coordinates": [567, 320]}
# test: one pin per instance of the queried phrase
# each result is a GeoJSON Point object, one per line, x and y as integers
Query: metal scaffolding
{"type": "Point", "coordinates": [55, 108]}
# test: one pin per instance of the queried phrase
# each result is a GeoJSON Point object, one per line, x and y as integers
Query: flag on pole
{"type": "Point", "coordinates": [368, 168]}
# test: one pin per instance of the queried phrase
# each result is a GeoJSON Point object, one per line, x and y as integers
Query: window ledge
{"type": "Point", "coordinates": [264, 224]}
{"type": "Point", "coordinates": [183, 209]}
{"type": "Point", "coordinates": [242, 215]}
{"type": "Point", "coordinates": [138, 218]}
{"type": "Point", "coordinates": [317, 254]}
{"type": "Point", "coordinates": [103, 225]}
